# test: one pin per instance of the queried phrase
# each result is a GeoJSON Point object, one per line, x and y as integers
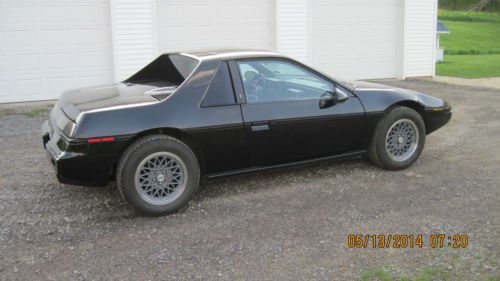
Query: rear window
{"type": "Point", "coordinates": [173, 68]}
{"type": "Point", "coordinates": [220, 92]}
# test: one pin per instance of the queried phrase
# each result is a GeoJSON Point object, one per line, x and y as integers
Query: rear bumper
{"type": "Point", "coordinates": [80, 163]}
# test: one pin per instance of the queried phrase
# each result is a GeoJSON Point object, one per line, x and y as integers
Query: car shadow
{"type": "Point", "coordinates": [265, 180]}
{"type": "Point", "coordinates": [104, 205]}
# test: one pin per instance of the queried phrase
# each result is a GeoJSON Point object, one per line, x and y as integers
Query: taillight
{"type": "Point", "coordinates": [106, 139]}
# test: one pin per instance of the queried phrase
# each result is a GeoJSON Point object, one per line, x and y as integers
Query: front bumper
{"type": "Point", "coordinates": [437, 117]}
{"type": "Point", "coordinates": [77, 162]}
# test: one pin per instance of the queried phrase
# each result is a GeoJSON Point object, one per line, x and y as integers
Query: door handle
{"type": "Point", "coordinates": [259, 126]}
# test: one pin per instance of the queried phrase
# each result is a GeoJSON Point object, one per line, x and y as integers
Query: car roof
{"type": "Point", "coordinates": [230, 54]}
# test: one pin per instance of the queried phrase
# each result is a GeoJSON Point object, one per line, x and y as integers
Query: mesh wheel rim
{"type": "Point", "coordinates": [401, 140]}
{"type": "Point", "coordinates": [161, 178]}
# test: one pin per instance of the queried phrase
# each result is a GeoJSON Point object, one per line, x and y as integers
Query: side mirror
{"type": "Point", "coordinates": [330, 98]}
{"type": "Point", "coordinates": [327, 99]}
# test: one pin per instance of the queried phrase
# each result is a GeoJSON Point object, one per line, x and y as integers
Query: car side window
{"type": "Point", "coordinates": [276, 80]}
{"type": "Point", "coordinates": [220, 92]}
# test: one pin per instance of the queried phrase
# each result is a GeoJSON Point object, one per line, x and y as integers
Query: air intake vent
{"type": "Point", "coordinates": [161, 93]}
{"type": "Point", "coordinates": [160, 96]}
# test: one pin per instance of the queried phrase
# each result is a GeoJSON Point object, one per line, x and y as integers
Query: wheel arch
{"type": "Point", "coordinates": [178, 134]}
{"type": "Point", "coordinates": [419, 108]}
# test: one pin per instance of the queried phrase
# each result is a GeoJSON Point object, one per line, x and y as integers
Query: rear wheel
{"type": "Point", "coordinates": [398, 139]}
{"type": "Point", "coordinates": [158, 175]}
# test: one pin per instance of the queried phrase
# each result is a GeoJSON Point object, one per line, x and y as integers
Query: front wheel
{"type": "Point", "coordinates": [398, 139]}
{"type": "Point", "coordinates": [158, 175]}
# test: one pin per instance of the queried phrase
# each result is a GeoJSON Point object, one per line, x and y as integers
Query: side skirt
{"type": "Point", "coordinates": [344, 156]}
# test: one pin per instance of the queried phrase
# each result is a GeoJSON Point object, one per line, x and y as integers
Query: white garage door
{"type": "Point", "coordinates": [215, 24]}
{"type": "Point", "coordinates": [49, 46]}
{"type": "Point", "coordinates": [358, 38]}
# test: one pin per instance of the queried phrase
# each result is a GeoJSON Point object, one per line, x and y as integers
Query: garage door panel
{"type": "Point", "coordinates": [26, 86]}
{"type": "Point", "coordinates": [361, 16]}
{"type": "Point", "coordinates": [55, 37]}
{"type": "Point", "coordinates": [5, 93]}
{"type": "Point", "coordinates": [53, 13]}
{"type": "Point", "coordinates": [216, 24]}
{"type": "Point", "coordinates": [356, 39]}
{"type": "Point", "coordinates": [94, 13]}
{"type": "Point", "coordinates": [341, 32]}
{"type": "Point", "coordinates": [353, 59]}
{"type": "Point", "coordinates": [56, 60]}
{"type": "Point", "coordinates": [177, 12]}
{"type": "Point", "coordinates": [93, 37]}
{"type": "Point", "coordinates": [359, 69]}
{"type": "Point", "coordinates": [53, 46]}
{"type": "Point", "coordinates": [90, 59]}
{"type": "Point", "coordinates": [22, 38]}
{"type": "Point", "coordinates": [19, 14]}
{"type": "Point", "coordinates": [57, 84]}
{"type": "Point", "coordinates": [3, 64]}
{"type": "Point", "coordinates": [23, 62]}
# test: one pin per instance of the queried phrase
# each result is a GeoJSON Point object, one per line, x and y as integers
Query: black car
{"type": "Point", "coordinates": [187, 117]}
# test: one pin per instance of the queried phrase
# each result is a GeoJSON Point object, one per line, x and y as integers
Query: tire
{"type": "Point", "coordinates": [158, 175]}
{"type": "Point", "coordinates": [398, 139]}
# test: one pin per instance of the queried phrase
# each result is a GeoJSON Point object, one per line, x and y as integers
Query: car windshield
{"type": "Point", "coordinates": [172, 68]}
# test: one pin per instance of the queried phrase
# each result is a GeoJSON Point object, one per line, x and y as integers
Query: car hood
{"type": "Point", "coordinates": [363, 85]}
{"type": "Point", "coordinates": [369, 92]}
{"type": "Point", "coordinates": [75, 101]}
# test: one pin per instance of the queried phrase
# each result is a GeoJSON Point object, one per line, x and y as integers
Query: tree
{"type": "Point", "coordinates": [485, 4]}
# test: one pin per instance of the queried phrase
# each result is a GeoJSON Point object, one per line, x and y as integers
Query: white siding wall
{"type": "Point", "coordinates": [134, 35]}
{"type": "Point", "coordinates": [292, 28]}
{"type": "Point", "coordinates": [49, 46]}
{"type": "Point", "coordinates": [419, 38]}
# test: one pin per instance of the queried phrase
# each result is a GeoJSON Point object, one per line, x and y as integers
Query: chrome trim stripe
{"type": "Point", "coordinates": [347, 155]}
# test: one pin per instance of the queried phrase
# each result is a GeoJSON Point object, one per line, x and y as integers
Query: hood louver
{"type": "Point", "coordinates": [161, 93]}
{"type": "Point", "coordinates": [160, 96]}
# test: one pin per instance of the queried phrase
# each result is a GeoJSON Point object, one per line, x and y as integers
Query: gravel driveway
{"type": "Point", "coordinates": [285, 225]}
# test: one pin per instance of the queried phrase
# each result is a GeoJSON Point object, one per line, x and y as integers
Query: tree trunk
{"type": "Point", "coordinates": [484, 4]}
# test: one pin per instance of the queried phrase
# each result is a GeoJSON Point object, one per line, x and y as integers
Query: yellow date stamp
{"type": "Point", "coordinates": [407, 241]}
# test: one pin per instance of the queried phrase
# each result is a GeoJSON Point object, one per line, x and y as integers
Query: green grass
{"type": "Point", "coordinates": [32, 113]}
{"type": "Point", "coordinates": [382, 274]}
{"type": "Point", "coordinates": [6, 111]}
{"type": "Point", "coordinates": [468, 16]}
{"type": "Point", "coordinates": [469, 66]}
{"type": "Point", "coordinates": [472, 48]}
{"type": "Point", "coordinates": [378, 273]}
{"type": "Point", "coordinates": [427, 274]}
{"type": "Point", "coordinates": [471, 38]}
{"type": "Point", "coordinates": [37, 112]}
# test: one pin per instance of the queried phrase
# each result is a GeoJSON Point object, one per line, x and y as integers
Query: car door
{"type": "Point", "coordinates": [282, 115]}
{"type": "Point", "coordinates": [219, 130]}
